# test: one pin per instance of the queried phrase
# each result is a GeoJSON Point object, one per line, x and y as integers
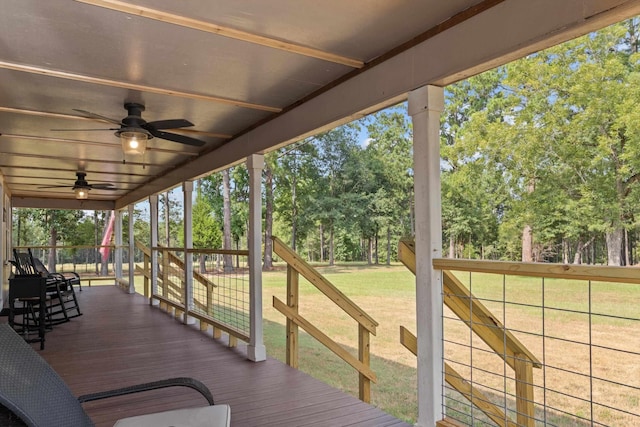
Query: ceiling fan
{"type": "Point", "coordinates": [134, 131]}
{"type": "Point", "coordinates": [81, 187]}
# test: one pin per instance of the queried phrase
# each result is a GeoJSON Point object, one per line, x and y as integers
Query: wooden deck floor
{"type": "Point", "coordinates": [120, 341]}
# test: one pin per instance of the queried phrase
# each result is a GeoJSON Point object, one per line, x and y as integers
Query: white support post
{"type": "Point", "coordinates": [187, 192]}
{"type": "Point", "coordinates": [425, 106]}
{"type": "Point", "coordinates": [256, 350]}
{"type": "Point", "coordinates": [153, 243]}
{"type": "Point", "coordinates": [132, 253]}
{"type": "Point", "coordinates": [118, 242]}
{"type": "Point", "coordinates": [5, 226]}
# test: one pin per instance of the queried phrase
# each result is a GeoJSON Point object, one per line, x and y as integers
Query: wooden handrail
{"type": "Point", "coordinates": [472, 312]}
{"type": "Point", "coordinates": [169, 290]}
{"type": "Point", "coordinates": [326, 287]}
{"type": "Point", "coordinates": [562, 271]}
{"type": "Point", "coordinates": [324, 339]}
{"type": "Point", "coordinates": [296, 266]}
{"type": "Point", "coordinates": [180, 263]}
{"type": "Point", "coordinates": [203, 251]}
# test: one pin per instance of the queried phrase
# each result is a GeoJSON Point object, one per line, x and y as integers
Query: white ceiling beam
{"type": "Point", "coordinates": [45, 203]}
{"type": "Point", "coordinates": [504, 32]}
{"type": "Point", "coordinates": [209, 27]}
{"type": "Point", "coordinates": [32, 69]}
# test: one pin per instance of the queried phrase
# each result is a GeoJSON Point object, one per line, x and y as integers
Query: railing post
{"type": "Point", "coordinates": [147, 261]}
{"type": "Point", "coordinates": [365, 357]}
{"type": "Point", "coordinates": [425, 105]}
{"type": "Point", "coordinates": [293, 278]}
{"type": "Point", "coordinates": [118, 242]}
{"type": "Point", "coordinates": [187, 190]}
{"type": "Point", "coordinates": [256, 350]}
{"type": "Point", "coordinates": [132, 252]}
{"type": "Point", "coordinates": [165, 277]}
{"type": "Point", "coordinates": [153, 244]}
{"type": "Point", "coordinates": [524, 391]}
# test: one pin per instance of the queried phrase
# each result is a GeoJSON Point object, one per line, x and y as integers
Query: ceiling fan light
{"type": "Point", "coordinates": [81, 193]}
{"type": "Point", "coordinates": [134, 142]}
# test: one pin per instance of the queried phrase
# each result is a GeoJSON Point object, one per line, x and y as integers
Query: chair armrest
{"type": "Point", "coordinates": [170, 382]}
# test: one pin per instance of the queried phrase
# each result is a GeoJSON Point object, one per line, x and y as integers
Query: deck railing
{"type": "Point", "coordinates": [219, 297]}
{"type": "Point", "coordinates": [580, 322]}
{"type": "Point", "coordinates": [296, 266]}
{"type": "Point", "coordinates": [84, 259]}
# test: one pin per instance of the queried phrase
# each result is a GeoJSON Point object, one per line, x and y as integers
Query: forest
{"type": "Point", "coordinates": [540, 161]}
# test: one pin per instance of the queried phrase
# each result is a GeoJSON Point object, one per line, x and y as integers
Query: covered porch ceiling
{"type": "Point", "coordinates": [251, 75]}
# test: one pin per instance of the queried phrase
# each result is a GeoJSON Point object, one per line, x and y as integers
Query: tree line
{"type": "Point", "coordinates": [540, 161]}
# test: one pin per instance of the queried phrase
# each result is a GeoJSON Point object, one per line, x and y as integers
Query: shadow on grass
{"type": "Point", "coordinates": [395, 390]}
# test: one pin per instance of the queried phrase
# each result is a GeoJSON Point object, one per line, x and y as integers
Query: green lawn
{"type": "Point", "coordinates": [388, 295]}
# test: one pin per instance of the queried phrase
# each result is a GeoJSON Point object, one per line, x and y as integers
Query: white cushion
{"type": "Point", "coordinates": [210, 416]}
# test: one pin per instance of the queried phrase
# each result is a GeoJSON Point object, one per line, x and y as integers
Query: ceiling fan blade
{"type": "Point", "coordinates": [98, 116]}
{"type": "Point", "coordinates": [55, 186]}
{"type": "Point", "coordinates": [182, 139]}
{"type": "Point", "coordinates": [168, 124]}
{"type": "Point", "coordinates": [81, 130]}
{"type": "Point", "coordinates": [103, 187]}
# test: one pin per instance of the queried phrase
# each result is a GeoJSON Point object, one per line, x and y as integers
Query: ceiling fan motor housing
{"type": "Point", "coordinates": [81, 182]}
{"type": "Point", "coordinates": [134, 121]}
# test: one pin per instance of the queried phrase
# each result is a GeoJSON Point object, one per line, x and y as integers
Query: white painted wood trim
{"type": "Point", "coordinates": [425, 106]}
{"type": "Point", "coordinates": [256, 350]}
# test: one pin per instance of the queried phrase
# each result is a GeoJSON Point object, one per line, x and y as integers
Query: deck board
{"type": "Point", "coordinates": [120, 340]}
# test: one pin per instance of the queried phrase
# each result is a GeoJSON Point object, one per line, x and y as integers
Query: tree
{"type": "Point", "coordinates": [60, 224]}
{"type": "Point", "coordinates": [390, 145]}
{"type": "Point", "coordinates": [206, 230]}
{"type": "Point", "coordinates": [473, 195]}
{"type": "Point", "coordinates": [268, 212]}
{"type": "Point", "coordinates": [340, 196]}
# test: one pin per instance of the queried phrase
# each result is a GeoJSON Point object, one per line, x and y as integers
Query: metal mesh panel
{"type": "Point", "coordinates": [221, 288]}
{"type": "Point", "coordinates": [584, 334]}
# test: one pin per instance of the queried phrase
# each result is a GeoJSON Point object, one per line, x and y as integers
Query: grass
{"type": "Point", "coordinates": [388, 295]}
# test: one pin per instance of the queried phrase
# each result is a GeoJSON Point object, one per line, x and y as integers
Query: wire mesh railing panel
{"type": "Point", "coordinates": [583, 333]}
{"type": "Point", "coordinates": [221, 288]}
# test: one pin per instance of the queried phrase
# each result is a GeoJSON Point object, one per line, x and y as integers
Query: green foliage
{"type": "Point", "coordinates": [206, 229]}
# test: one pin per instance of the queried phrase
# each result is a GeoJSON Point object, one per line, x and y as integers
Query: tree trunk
{"type": "Point", "coordinates": [627, 260]}
{"type": "Point", "coordinates": [167, 228]}
{"type": "Point", "coordinates": [452, 246]}
{"type": "Point", "coordinates": [527, 244]}
{"type": "Point", "coordinates": [51, 259]}
{"type": "Point", "coordinates": [226, 226]}
{"type": "Point", "coordinates": [321, 243]}
{"type": "Point", "coordinates": [577, 257]}
{"type": "Point", "coordinates": [331, 259]}
{"type": "Point", "coordinates": [268, 220]}
{"type": "Point", "coordinates": [614, 247]}
{"type": "Point", "coordinates": [369, 250]}
{"type": "Point", "coordinates": [375, 247]}
{"type": "Point", "coordinates": [294, 213]}
{"type": "Point", "coordinates": [203, 264]}
{"type": "Point", "coordinates": [388, 246]}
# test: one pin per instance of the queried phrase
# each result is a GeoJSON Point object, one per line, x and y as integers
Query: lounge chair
{"type": "Point", "coordinates": [32, 391]}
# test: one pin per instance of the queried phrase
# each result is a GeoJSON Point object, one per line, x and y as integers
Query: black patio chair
{"type": "Point", "coordinates": [63, 303]}
{"type": "Point", "coordinates": [34, 393]}
{"type": "Point", "coordinates": [67, 282]}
